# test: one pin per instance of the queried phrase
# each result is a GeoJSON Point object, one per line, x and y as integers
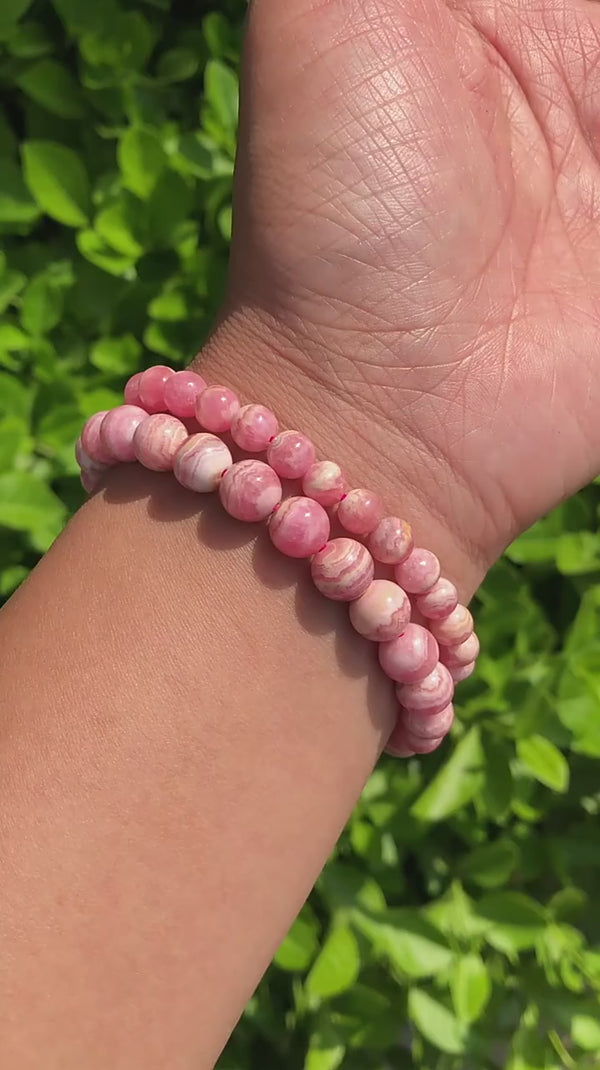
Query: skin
{"type": "Point", "coordinates": [414, 271]}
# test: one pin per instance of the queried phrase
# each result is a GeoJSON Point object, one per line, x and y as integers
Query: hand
{"type": "Point", "coordinates": [417, 246]}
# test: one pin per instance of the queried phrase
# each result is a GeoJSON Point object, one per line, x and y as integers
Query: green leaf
{"type": "Point", "coordinates": [470, 987]}
{"type": "Point", "coordinates": [301, 943]}
{"type": "Point", "coordinates": [142, 160]}
{"type": "Point", "coordinates": [28, 504]}
{"type": "Point", "coordinates": [117, 356]}
{"type": "Point", "coordinates": [410, 943]}
{"type": "Point", "coordinates": [58, 181]}
{"type": "Point", "coordinates": [16, 204]}
{"type": "Point", "coordinates": [11, 284]}
{"type": "Point", "coordinates": [514, 921]}
{"type": "Point", "coordinates": [337, 965]}
{"type": "Point", "coordinates": [436, 1023]}
{"type": "Point", "coordinates": [326, 1049]}
{"type": "Point", "coordinates": [222, 94]}
{"type": "Point", "coordinates": [585, 1031]}
{"type": "Point", "coordinates": [177, 65]}
{"type": "Point", "coordinates": [42, 305]}
{"type": "Point", "coordinates": [544, 761]}
{"type": "Point", "coordinates": [490, 865]}
{"type": "Point", "coordinates": [28, 40]}
{"type": "Point", "coordinates": [95, 250]}
{"type": "Point", "coordinates": [10, 13]}
{"type": "Point", "coordinates": [50, 84]}
{"type": "Point", "coordinates": [456, 783]}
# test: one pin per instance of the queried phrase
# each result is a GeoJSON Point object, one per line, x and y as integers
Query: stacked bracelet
{"type": "Point", "coordinates": [426, 638]}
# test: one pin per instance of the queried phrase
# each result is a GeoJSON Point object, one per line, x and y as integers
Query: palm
{"type": "Point", "coordinates": [420, 190]}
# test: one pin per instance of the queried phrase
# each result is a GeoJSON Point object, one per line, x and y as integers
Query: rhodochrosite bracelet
{"type": "Point", "coordinates": [397, 597]}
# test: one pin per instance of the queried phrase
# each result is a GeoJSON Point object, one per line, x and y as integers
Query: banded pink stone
{"type": "Point", "coordinates": [132, 389]}
{"type": "Point", "coordinates": [253, 427]}
{"type": "Point", "coordinates": [429, 695]}
{"type": "Point", "coordinates": [382, 613]}
{"type": "Point", "coordinates": [91, 442]}
{"type": "Point", "coordinates": [200, 462]}
{"type": "Point", "coordinates": [291, 454]}
{"type": "Point", "coordinates": [461, 672]}
{"type": "Point", "coordinates": [461, 654]}
{"type": "Point", "coordinates": [342, 570]}
{"type": "Point", "coordinates": [439, 601]}
{"type": "Point", "coordinates": [117, 430]}
{"type": "Point", "coordinates": [152, 388]}
{"type": "Point", "coordinates": [215, 408]}
{"type": "Point", "coordinates": [428, 726]}
{"type": "Point", "coordinates": [250, 490]}
{"type": "Point", "coordinates": [360, 511]}
{"type": "Point", "coordinates": [454, 628]}
{"type": "Point", "coordinates": [299, 527]}
{"type": "Point", "coordinates": [391, 541]}
{"type": "Point", "coordinates": [418, 572]}
{"type": "Point", "coordinates": [181, 391]}
{"type": "Point", "coordinates": [157, 440]}
{"type": "Point", "coordinates": [410, 657]}
{"type": "Point", "coordinates": [324, 481]}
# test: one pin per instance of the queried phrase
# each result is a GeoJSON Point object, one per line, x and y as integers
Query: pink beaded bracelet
{"type": "Point", "coordinates": [425, 657]}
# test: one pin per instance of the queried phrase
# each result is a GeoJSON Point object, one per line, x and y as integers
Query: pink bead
{"type": "Point", "coordinates": [360, 511]}
{"type": "Point", "coordinates": [132, 389]}
{"type": "Point", "coordinates": [324, 481]}
{"type": "Point", "coordinates": [200, 463]}
{"type": "Point", "coordinates": [454, 628]}
{"type": "Point", "coordinates": [250, 490]}
{"type": "Point", "coordinates": [391, 541]}
{"type": "Point", "coordinates": [181, 392]}
{"type": "Point", "coordinates": [291, 454]}
{"type": "Point", "coordinates": [462, 672]}
{"type": "Point", "coordinates": [342, 570]}
{"type": "Point", "coordinates": [253, 427]}
{"type": "Point", "coordinates": [216, 407]}
{"type": "Point", "coordinates": [462, 653]}
{"type": "Point", "coordinates": [85, 462]}
{"type": "Point", "coordinates": [117, 430]}
{"type": "Point", "coordinates": [402, 744]}
{"type": "Point", "coordinates": [418, 572]}
{"type": "Point", "coordinates": [90, 479]}
{"type": "Point", "coordinates": [428, 726]}
{"type": "Point", "coordinates": [299, 527]}
{"type": "Point", "coordinates": [157, 440]}
{"type": "Point", "coordinates": [382, 612]}
{"type": "Point", "coordinates": [152, 388]}
{"type": "Point", "coordinates": [438, 602]}
{"type": "Point", "coordinates": [91, 443]}
{"type": "Point", "coordinates": [430, 695]}
{"type": "Point", "coordinates": [411, 657]}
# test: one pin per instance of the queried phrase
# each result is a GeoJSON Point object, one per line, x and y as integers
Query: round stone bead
{"type": "Point", "coordinates": [90, 477]}
{"type": "Point", "coordinates": [152, 388]}
{"type": "Point", "coordinates": [391, 541]}
{"type": "Point", "coordinates": [85, 462]}
{"type": "Point", "coordinates": [430, 695]}
{"type": "Point", "coordinates": [438, 602]}
{"type": "Point", "coordinates": [411, 657]}
{"type": "Point", "coordinates": [291, 454]}
{"type": "Point", "coordinates": [342, 570]}
{"type": "Point", "coordinates": [181, 392]}
{"type": "Point", "coordinates": [360, 511]}
{"type": "Point", "coordinates": [461, 672]}
{"type": "Point", "coordinates": [200, 463]}
{"type": "Point", "coordinates": [454, 628]}
{"type": "Point", "coordinates": [299, 527]}
{"type": "Point", "coordinates": [117, 430]}
{"type": "Point", "coordinates": [157, 440]}
{"type": "Point", "coordinates": [462, 653]}
{"type": "Point", "coordinates": [382, 612]}
{"type": "Point", "coordinates": [402, 744]}
{"type": "Point", "coordinates": [215, 408]}
{"type": "Point", "coordinates": [324, 481]}
{"type": "Point", "coordinates": [250, 490]}
{"type": "Point", "coordinates": [418, 572]}
{"type": "Point", "coordinates": [432, 726]}
{"type": "Point", "coordinates": [253, 427]}
{"type": "Point", "coordinates": [132, 389]}
{"type": "Point", "coordinates": [91, 442]}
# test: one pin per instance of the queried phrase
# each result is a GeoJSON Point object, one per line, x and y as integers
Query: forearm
{"type": "Point", "coordinates": [187, 725]}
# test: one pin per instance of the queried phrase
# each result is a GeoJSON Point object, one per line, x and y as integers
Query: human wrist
{"type": "Point", "coordinates": [262, 360]}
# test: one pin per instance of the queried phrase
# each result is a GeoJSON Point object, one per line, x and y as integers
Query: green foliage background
{"type": "Point", "coordinates": [456, 925]}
